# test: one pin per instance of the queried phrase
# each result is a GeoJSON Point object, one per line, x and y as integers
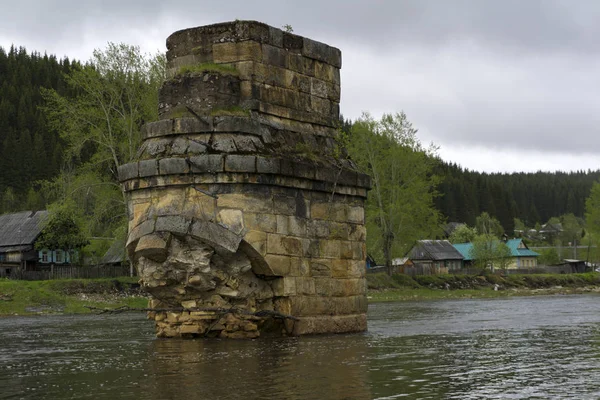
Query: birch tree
{"type": "Point", "coordinates": [99, 119]}
{"type": "Point", "coordinates": [400, 208]}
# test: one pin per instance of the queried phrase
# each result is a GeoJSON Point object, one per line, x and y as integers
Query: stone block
{"type": "Point", "coordinates": [325, 72]}
{"type": "Point", "coordinates": [215, 235]}
{"type": "Point", "coordinates": [292, 42]}
{"type": "Point", "coordinates": [357, 268]}
{"type": "Point", "coordinates": [179, 146]}
{"type": "Point", "coordinates": [318, 229]}
{"type": "Point", "coordinates": [284, 245]}
{"type": "Point", "coordinates": [173, 223]}
{"type": "Point", "coordinates": [127, 171]}
{"type": "Point", "coordinates": [320, 267]}
{"type": "Point", "coordinates": [148, 168]}
{"type": "Point", "coordinates": [331, 211]}
{"type": "Point", "coordinates": [246, 202]}
{"type": "Point", "coordinates": [234, 52]}
{"type": "Point", "coordinates": [153, 247]}
{"type": "Point", "coordinates": [346, 287]}
{"type": "Point", "coordinates": [240, 163]}
{"type": "Point", "coordinates": [157, 128]}
{"type": "Point", "coordinates": [322, 52]}
{"type": "Point", "coordinates": [340, 268]}
{"type": "Point", "coordinates": [198, 144]}
{"type": "Point", "coordinates": [318, 88]}
{"type": "Point", "coordinates": [279, 264]}
{"type": "Point", "coordinates": [268, 165]}
{"type": "Point", "coordinates": [356, 215]}
{"type": "Point", "coordinates": [284, 205]}
{"type": "Point", "coordinates": [224, 143]}
{"type": "Point", "coordinates": [232, 220]}
{"type": "Point", "coordinates": [304, 170]}
{"type": "Point", "coordinates": [258, 240]}
{"type": "Point", "coordinates": [260, 222]}
{"type": "Point", "coordinates": [172, 166]}
{"type": "Point", "coordinates": [303, 65]}
{"type": "Point", "coordinates": [273, 55]}
{"type": "Point", "coordinates": [285, 286]}
{"type": "Point", "coordinates": [291, 225]}
{"type": "Point", "coordinates": [192, 125]}
{"type": "Point", "coordinates": [323, 286]}
{"type": "Point", "coordinates": [209, 163]}
{"type": "Point", "coordinates": [358, 233]}
{"type": "Point", "coordinates": [300, 266]}
{"type": "Point", "coordinates": [347, 249]}
{"type": "Point", "coordinates": [247, 144]}
{"type": "Point", "coordinates": [145, 228]}
{"type": "Point", "coordinates": [305, 286]}
{"type": "Point", "coordinates": [329, 248]}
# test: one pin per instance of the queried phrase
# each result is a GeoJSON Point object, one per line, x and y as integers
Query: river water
{"type": "Point", "coordinates": [515, 348]}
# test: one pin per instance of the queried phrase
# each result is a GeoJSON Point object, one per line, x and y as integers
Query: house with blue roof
{"type": "Point", "coordinates": [521, 256]}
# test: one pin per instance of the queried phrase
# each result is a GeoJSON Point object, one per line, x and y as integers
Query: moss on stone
{"type": "Point", "coordinates": [197, 69]}
{"type": "Point", "coordinates": [233, 111]}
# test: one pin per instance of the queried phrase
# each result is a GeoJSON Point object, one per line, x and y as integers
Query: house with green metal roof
{"type": "Point", "coordinates": [522, 257]}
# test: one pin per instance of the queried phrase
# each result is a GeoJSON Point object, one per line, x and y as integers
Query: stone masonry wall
{"type": "Point", "coordinates": [244, 210]}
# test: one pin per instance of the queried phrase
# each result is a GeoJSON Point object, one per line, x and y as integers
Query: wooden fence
{"type": "Point", "coordinates": [73, 272]}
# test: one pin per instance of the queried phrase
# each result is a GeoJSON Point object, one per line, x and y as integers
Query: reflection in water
{"type": "Point", "coordinates": [543, 347]}
{"type": "Point", "coordinates": [331, 367]}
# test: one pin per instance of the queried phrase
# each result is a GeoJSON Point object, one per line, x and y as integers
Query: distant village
{"type": "Point", "coordinates": [19, 257]}
{"type": "Point", "coordinates": [440, 256]}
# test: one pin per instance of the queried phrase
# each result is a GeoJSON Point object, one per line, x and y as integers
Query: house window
{"type": "Point", "coordinates": [45, 256]}
{"type": "Point", "coordinates": [60, 256]}
{"type": "Point", "coordinates": [2, 257]}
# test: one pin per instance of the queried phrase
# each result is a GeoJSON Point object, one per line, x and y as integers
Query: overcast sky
{"type": "Point", "coordinates": [498, 85]}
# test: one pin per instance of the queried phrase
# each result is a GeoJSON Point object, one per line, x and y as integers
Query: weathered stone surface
{"type": "Point", "coordinates": [236, 202]}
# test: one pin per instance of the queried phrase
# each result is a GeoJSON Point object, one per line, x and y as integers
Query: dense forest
{"type": "Point", "coordinates": [31, 152]}
{"type": "Point", "coordinates": [532, 197]}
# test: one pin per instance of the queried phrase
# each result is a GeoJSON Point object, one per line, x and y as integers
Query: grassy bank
{"type": "Point", "coordinates": [382, 287]}
{"type": "Point", "coordinates": [72, 296]}
{"type": "Point", "coordinates": [67, 296]}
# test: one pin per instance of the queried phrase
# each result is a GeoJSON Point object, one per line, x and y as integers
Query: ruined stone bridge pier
{"type": "Point", "coordinates": [241, 198]}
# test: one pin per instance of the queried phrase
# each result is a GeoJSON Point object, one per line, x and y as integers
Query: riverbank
{"type": "Point", "coordinates": [382, 287]}
{"type": "Point", "coordinates": [74, 296]}
{"type": "Point", "coordinates": [68, 296]}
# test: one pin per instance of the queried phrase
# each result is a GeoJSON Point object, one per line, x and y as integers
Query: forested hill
{"type": "Point", "coordinates": [531, 197]}
{"type": "Point", "coordinates": [29, 151]}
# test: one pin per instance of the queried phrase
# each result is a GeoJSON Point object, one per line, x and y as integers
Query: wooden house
{"type": "Point", "coordinates": [18, 233]}
{"type": "Point", "coordinates": [521, 256]}
{"type": "Point", "coordinates": [435, 257]}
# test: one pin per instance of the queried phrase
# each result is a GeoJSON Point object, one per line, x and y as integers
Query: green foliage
{"type": "Point", "coordinates": [207, 67]}
{"type": "Point", "coordinates": [548, 256]}
{"type": "Point", "coordinates": [114, 95]}
{"type": "Point", "coordinates": [399, 209]}
{"type": "Point", "coordinates": [405, 281]}
{"type": "Point", "coordinates": [63, 296]}
{"type": "Point", "coordinates": [488, 225]}
{"type": "Point", "coordinates": [287, 28]}
{"type": "Point", "coordinates": [530, 197]}
{"type": "Point", "coordinates": [61, 232]}
{"type": "Point", "coordinates": [488, 251]}
{"type": "Point", "coordinates": [592, 209]}
{"type": "Point", "coordinates": [462, 234]}
{"type": "Point", "coordinates": [29, 150]}
{"type": "Point", "coordinates": [380, 281]}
